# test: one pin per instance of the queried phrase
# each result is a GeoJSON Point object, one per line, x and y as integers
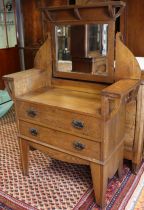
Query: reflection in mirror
{"type": "Point", "coordinates": [82, 48]}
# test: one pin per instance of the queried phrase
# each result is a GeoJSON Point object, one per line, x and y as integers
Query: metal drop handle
{"type": "Point", "coordinates": [33, 131]}
{"type": "Point", "coordinates": [77, 124]}
{"type": "Point", "coordinates": [31, 113]}
{"type": "Point", "coordinates": [78, 146]}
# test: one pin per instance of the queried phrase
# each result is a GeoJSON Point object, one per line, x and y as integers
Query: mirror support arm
{"type": "Point", "coordinates": [112, 11]}
{"type": "Point", "coordinates": [77, 14]}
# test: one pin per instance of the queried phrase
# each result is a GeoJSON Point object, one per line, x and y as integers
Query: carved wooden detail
{"type": "Point", "coordinates": [125, 68]}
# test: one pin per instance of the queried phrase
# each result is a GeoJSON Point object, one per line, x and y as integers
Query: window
{"type": "Point", "coordinates": [7, 24]}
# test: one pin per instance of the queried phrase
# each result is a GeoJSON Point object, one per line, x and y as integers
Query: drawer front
{"type": "Point", "coordinates": [60, 119]}
{"type": "Point", "coordinates": [61, 140]}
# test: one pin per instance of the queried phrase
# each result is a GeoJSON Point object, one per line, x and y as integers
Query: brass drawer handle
{"type": "Point", "coordinates": [33, 131]}
{"type": "Point", "coordinates": [77, 124]}
{"type": "Point", "coordinates": [78, 146]}
{"type": "Point", "coordinates": [31, 113]}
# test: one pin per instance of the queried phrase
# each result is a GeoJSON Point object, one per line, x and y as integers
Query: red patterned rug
{"type": "Point", "coordinates": [52, 184]}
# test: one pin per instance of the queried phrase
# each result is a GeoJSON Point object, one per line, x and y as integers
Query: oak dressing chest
{"type": "Point", "coordinates": [72, 104]}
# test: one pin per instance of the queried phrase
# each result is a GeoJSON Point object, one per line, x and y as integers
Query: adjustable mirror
{"type": "Point", "coordinates": [82, 48]}
{"type": "Point", "coordinates": [83, 40]}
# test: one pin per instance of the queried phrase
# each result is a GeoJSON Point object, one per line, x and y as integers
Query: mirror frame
{"type": "Point", "coordinates": [99, 13]}
{"type": "Point", "coordinates": [106, 77]}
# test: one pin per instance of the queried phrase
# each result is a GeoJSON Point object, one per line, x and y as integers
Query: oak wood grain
{"type": "Point", "coordinates": [125, 68]}
{"type": "Point", "coordinates": [55, 102]}
{"type": "Point", "coordinates": [61, 119]}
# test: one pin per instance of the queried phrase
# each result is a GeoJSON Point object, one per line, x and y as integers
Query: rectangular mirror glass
{"type": "Point", "coordinates": [82, 49]}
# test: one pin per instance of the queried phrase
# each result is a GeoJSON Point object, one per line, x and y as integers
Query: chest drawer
{"type": "Point", "coordinates": [61, 140]}
{"type": "Point", "coordinates": [60, 119]}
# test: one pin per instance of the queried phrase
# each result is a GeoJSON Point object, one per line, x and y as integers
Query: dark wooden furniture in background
{"type": "Point", "coordinates": [32, 23]}
{"type": "Point", "coordinates": [9, 55]}
{"type": "Point", "coordinates": [132, 26]}
{"type": "Point", "coordinates": [9, 62]}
